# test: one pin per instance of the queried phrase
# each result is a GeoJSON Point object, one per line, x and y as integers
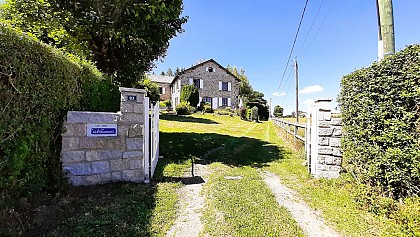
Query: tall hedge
{"type": "Point", "coordinates": [38, 85]}
{"type": "Point", "coordinates": [381, 116]}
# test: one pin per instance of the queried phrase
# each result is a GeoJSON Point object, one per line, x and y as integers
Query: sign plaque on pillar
{"type": "Point", "coordinates": [102, 130]}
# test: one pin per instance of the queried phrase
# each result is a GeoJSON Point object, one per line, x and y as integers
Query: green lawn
{"type": "Point", "coordinates": [233, 207]}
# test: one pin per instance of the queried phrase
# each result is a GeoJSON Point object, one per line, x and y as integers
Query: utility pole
{"type": "Point", "coordinates": [297, 91]}
{"type": "Point", "coordinates": [386, 40]}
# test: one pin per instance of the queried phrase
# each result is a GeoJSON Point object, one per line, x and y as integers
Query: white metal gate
{"type": "Point", "coordinates": [151, 138]}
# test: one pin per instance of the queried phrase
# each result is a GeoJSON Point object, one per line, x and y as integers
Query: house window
{"type": "Point", "coordinates": [224, 86]}
{"type": "Point", "coordinates": [224, 101]}
{"type": "Point", "coordinates": [210, 69]}
{"type": "Point", "coordinates": [197, 83]}
{"type": "Point", "coordinates": [207, 100]}
{"type": "Point", "coordinates": [160, 90]}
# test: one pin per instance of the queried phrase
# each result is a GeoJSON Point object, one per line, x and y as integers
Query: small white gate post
{"type": "Point", "coordinates": [313, 140]}
{"type": "Point", "coordinates": [146, 143]}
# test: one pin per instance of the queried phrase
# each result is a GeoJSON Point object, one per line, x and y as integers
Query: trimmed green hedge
{"type": "Point", "coordinates": [38, 85]}
{"type": "Point", "coordinates": [381, 113]}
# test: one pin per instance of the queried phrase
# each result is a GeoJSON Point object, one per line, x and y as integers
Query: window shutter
{"type": "Point", "coordinates": [220, 101]}
{"type": "Point", "coordinates": [163, 90]}
{"type": "Point", "coordinates": [199, 101]}
{"type": "Point", "coordinates": [201, 83]}
{"type": "Point", "coordinates": [220, 85]}
{"type": "Point", "coordinates": [229, 102]}
{"type": "Point", "coordinates": [214, 104]}
{"type": "Point", "coordinates": [190, 81]}
{"type": "Point", "coordinates": [229, 86]}
{"type": "Point", "coordinates": [179, 84]}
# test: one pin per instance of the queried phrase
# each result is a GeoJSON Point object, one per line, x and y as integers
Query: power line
{"type": "Point", "coordinates": [288, 77]}
{"type": "Point", "coordinates": [316, 34]}
{"type": "Point", "coordinates": [288, 88]}
{"type": "Point", "coordinates": [294, 42]}
{"type": "Point", "coordinates": [310, 28]}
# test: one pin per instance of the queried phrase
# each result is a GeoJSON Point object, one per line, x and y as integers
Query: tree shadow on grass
{"type": "Point", "coordinates": [114, 209]}
{"type": "Point", "coordinates": [189, 119]}
{"type": "Point", "coordinates": [229, 150]}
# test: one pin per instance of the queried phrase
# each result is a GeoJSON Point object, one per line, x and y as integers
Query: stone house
{"type": "Point", "coordinates": [216, 85]}
{"type": "Point", "coordinates": [164, 83]}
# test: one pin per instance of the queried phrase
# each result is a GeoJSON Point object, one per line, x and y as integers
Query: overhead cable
{"type": "Point", "coordinates": [294, 42]}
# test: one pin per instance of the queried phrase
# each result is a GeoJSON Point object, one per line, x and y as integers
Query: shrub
{"type": "Point", "coordinates": [263, 112]}
{"type": "Point", "coordinates": [229, 109]}
{"type": "Point", "coordinates": [208, 108]}
{"type": "Point", "coordinates": [183, 108]}
{"type": "Point", "coordinates": [167, 103]}
{"type": "Point", "coordinates": [242, 113]}
{"type": "Point", "coordinates": [249, 114]}
{"type": "Point", "coordinates": [381, 114]}
{"type": "Point", "coordinates": [38, 85]}
{"type": "Point", "coordinates": [254, 113]}
{"type": "Point", "coordinates": [226, 111]}
{"type": "Point", "coordinates": [189, 93]}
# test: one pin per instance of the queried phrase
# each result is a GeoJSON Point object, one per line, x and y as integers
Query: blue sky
{"type": "Point", "coordinates": [257, 36]}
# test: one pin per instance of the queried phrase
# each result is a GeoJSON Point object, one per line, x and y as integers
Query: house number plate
{"type": "Point", "coordinates": [102, 130]}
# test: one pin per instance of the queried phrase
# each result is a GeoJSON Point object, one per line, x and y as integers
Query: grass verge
{"type": "Point", "coordinates": [335, 199]}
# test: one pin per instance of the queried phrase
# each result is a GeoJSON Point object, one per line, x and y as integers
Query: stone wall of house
{"type": "Point", "coordinates": [88, 160]}
{"type": "Point", "coordinates": [326, 143]}
{"type": "Point", "coordinates": [211, 82]}
{"type": "Point", "coordinates": [167, 94]}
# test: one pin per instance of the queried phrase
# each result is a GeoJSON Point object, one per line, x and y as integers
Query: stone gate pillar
{"type": "Point", "coordinates": [326, 133]}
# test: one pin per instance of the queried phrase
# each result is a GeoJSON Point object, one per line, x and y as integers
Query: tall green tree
{"type": "Point", "coordinates": [249, 96]}
{"type": "Point", "coordinates": [245, 88]}
{"type": "Point", "coordinates": [169, 72]}
{"type": "Point", "coordinates": [123, 38]}
{"type": "Point", "coordinates": [257, 99]}
{"type": "Point", "coordinates": [278, 111]}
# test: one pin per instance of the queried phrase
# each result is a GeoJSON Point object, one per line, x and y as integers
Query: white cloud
{"type": "Point", "coordinates": [311, 89]}
{"type": "Point", "coordinates": [278, 94]}
{"type": "Point", "coordinates": [309, 102]}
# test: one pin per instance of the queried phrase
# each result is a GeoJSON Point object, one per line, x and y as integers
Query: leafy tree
{"type": "Point", "coordinates": [293, 114]}
{"type": "Point", "coordinates": [178, 70]}
{"type": "Point", "coordinates": [151, 88]}
{"type": "Point", "coordinates": [245, 88]}
{"type": "Point", "coordinates": [278, 111]}
{"type": "Point", "coordinates": [256, 99]}
{"type": "Point", "coordinates": [169, 72]}
{"type": "Point", "coordinates": [123, 38]}
{"type": "Point", "coordinates": [189, 93]}
{"type": "Point", "coordinates": [249, 96]}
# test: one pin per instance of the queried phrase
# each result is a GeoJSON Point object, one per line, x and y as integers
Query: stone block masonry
{"type": "Point", "coordinates": [106, 154]}
{"type": "Point", "coordinates": [325, 151]}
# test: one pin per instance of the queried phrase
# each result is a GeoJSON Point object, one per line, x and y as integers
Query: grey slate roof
{"type": "Point", "coordinates": [160, 78]}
